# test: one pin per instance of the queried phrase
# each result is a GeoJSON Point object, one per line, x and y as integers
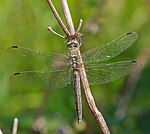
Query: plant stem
{"type": "Point", "coordinates": [15, 126]}
{"type": "Point", "coordinates": [67, 16]}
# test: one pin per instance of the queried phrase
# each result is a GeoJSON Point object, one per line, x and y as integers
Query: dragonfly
{"type": "Point", "coordinates": [58, 70]}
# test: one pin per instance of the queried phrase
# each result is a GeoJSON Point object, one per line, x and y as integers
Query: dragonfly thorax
{"type": "Point", "coordinates": [73, 53]}
{"type": "Point", "coordinates": [73, 48]}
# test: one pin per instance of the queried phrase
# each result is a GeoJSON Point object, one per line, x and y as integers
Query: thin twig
{"type": "Point", "coordinates": [58, 18]}
{"type": "Point", "coordinates": [91, 103]}
{"type": "Point", "coordinates": [1, 132]}
{"type": "Point", "coordinates": [57, 34]}
{"type": "Point", "coordinates": [130, 85]}
{"type": "Point", "coordinates": [67, 16]}
{"type": "Point", "coordinates": [15, 126]}
{"type": "Point", "coordinates": [79, 26]}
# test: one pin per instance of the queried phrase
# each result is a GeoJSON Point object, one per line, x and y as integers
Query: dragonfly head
{"type": "Point", "coordinates": [73, 43]}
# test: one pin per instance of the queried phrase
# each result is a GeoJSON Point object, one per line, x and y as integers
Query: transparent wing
{"type": "Point", "coordinates": [38, 60]}
{"type": "Point", "coordinates": [110, 50]}
{"type": "Point", "coordinates": [48, 79]}
{"type": "Point", "coordinates": [104, 73]}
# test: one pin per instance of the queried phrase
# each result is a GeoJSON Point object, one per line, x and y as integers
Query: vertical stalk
{"type": "Point", "coordinates": [15, 126]}
{"type": "Point", "coordinates": [67, 16]}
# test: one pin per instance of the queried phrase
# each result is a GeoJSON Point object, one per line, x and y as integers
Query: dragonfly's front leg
{"type": "Point", "coordinates": [77, 93]}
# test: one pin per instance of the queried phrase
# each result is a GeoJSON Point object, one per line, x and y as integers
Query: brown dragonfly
{"type": "Point", "coordinates": [56, 70]}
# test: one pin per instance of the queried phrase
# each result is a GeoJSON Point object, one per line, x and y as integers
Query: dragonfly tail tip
{"type": "Point", "coordinates": [79, 122]}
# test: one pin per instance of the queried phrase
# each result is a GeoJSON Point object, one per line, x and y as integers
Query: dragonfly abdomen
{"type": "Point", "coordinates": [74, 54]}
{"type": "Point", "coordinates": [77, 93]}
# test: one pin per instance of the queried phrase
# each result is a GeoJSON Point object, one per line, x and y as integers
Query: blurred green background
{"type": "Point", "coordinates": [124, 103]}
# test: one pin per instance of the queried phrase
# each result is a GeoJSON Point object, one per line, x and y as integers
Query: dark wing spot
{"type": "Point", "coordinates": [134, 61]}
{"type": "Point", "coordinates": [14, 46]}
{"type": "Point", "coordinates": [129, 33]}
{"type": "Point", "coordinates": [16, 73]}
